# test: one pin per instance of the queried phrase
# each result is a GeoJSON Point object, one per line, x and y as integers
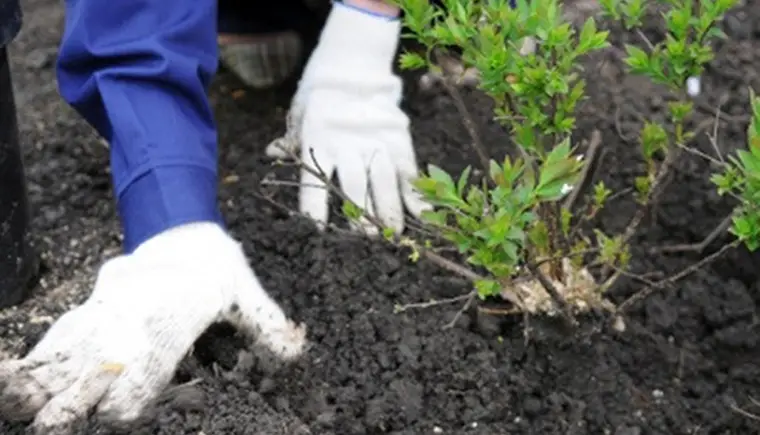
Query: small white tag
{"type": "Point", "coordinates": [693, 86]}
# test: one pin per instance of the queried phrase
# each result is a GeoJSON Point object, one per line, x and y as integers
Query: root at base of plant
{"type": "Point", "coordinates": [579, 289]}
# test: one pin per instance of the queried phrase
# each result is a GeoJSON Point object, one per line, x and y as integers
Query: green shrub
{"type": "Point", "coordinates": [519, 222]}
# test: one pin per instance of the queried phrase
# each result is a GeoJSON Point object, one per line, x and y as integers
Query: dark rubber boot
{"type": "Point", "coordinates": [18, 262]}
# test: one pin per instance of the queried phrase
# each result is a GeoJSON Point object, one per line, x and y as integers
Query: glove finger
{"type": "Point", "coordinates": [21, 394]}
{"type": "Point", "coordinates": [289, 144]}
{"type": "Point", "coordinates": [138, 387]}
{"type": "Point", "coordinates": [282, 147]}
{"type": "Point", "coordinates": [352, 174]}
{"type": "Point", "coordinates": [385, 192]}
{"type": "Point", "coordinates": [408, 171]}
{"type": "Point", "coordinates": [67, 410]}
{"type": "Point", "coordinates": [257, 314]}
{"type": "Point", "coordinates": [314, 196]}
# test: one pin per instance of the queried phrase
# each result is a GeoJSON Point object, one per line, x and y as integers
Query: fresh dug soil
{"type": "Point", "coordinates": [688, 362]}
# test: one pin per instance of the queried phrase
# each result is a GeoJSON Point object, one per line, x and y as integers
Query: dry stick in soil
{"type": "Point", "coordinates": [698, 247]}
{"type": "Point", "coordinates": [591, 153]}
{"type": "Point", "coordinates": [667, 282]}
{"type": "Point", "coordinates": [734, 407]}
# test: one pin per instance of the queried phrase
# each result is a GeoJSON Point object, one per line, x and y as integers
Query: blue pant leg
{"type": "Point", "coordinates": [138, 72]}
{"type": "Point", "coordinates": [10, 20]}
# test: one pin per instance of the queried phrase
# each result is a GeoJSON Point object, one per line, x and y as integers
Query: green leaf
{"type": "Point", "coordinates": [440, 175]}
{"type": "Point", "coordinates": [678, 21]}
{"type": "Point", "coordinates": [558, 171]}
{"type": "Point", "coordinates": [435, 217]}
{"type": "Point", "coordinates": [750, 162]}
{"type": "Point", "coordinates": [487, 288]}
{"type": "Point", "coordinates": [601, 193]}
{"type": "Point", "coordinates": [654, 139]}
{"type": "Point", "coordinates": [587, 32]}
{"type": "Point", "coordinates": [389, 234]}
{"type": "Point", "coordinates": [463, 179]}
{"type": "Point", "coordinates": [408, 61]}
{"type": "Point", "coordinates": [633, 10]}
{"type": "Point", "coordinates": [495, 172]}
{"type": "Point", "coordinates": [637, 60]}
{"type": "Point", "coordinates": [352, 211]}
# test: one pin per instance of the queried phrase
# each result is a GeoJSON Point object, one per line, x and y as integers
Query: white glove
{"type": "Point", "coordinates": [118, 351]}
{"type": "Point", "coordinates": [345, 115]}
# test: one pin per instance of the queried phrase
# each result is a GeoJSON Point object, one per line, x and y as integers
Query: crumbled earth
{"type": "Point", "coordinates": [688, 362]}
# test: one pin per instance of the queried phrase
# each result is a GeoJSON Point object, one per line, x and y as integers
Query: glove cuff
{"type": "Point", "coordinates": [164, 198]}
{"type": "Point", "coordinates": [185, 241]}
{"type": "Point", "coordinates": [350, 35]}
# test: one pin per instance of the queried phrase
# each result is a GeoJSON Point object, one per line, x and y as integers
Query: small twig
{"type": "Point", "coordinates": [645, 39]}
{"type": "Point", "coordinates": [469, 123]}
{"type": "Point", "coordinates": [289, 184]}
{"type": "Point", "coordinates": [619, 194]}
{"type": "Point", "coordinates": [673, 279]}
{"type": "Point", "coordinates": [558, 300]}
{"type": "Point", "coordinates": [634, 276]}
{"type": "Point", "coordinates": [578, 226]}
{"type": "Point", "coordinates": [461, 311]}
{"type": "Point", "coordinates": [754, 401]}
{"type": "Point", "coordinates": [498, 311]}
{"type": "Point", "coordinates": [654, 194]}
{"type": "Point", "coordinates": [700, 246]}
{"type": "Point", "coordinates": [699, 153]}
{"type": "Point", "coordinates": [723, 116]}
{"type": "Point", "coordinates": [432, 303]}
{"type": "Point", "coordinates": [747, 414]}
{"type": "Point", "coordinates": [543, 260]}
{"type": "Point", "coordinates": [593, 147]}
{"type": "Point", "coordinates": [714, 137]}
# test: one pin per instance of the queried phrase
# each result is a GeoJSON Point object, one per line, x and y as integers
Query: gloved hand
{"type": "Point", "coordinates": [345, 117]}
{"type": "Point", "coordinates": [118, 351]}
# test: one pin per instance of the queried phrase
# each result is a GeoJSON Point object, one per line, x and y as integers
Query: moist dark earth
{"type": "Point", "coordinates": [688, 362]}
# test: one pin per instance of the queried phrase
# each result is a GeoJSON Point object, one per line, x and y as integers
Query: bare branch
{"type": "Point", "coordinates": [431, 303]}
{"type": "Point", "coordinates": [462, 310]}
{"type": "Point", "coordinates": [697, 247]}
{"type": "Point", "coordinates": [469, 123]}
{"type": "Point", "coordinates": [654, 194]}
{"type": "Point", "coordinates": [659, 285]}
{"type": "Point", "coordinates": [744, 413]}
{"type": "Point", "coordinates": [593, 148]}
{"type": "Point", "coordinates": [558, 300]}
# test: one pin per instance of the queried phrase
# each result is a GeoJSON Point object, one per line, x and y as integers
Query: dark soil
{"type": "Point", "coordinates": [685, 365]}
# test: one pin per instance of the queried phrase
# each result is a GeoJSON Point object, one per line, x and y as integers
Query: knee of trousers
{"type": "Point", "coordinates": [18, 261]}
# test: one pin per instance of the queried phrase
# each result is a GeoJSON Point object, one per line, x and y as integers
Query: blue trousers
{"type": "Point", "coordinates": [138, 71]}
